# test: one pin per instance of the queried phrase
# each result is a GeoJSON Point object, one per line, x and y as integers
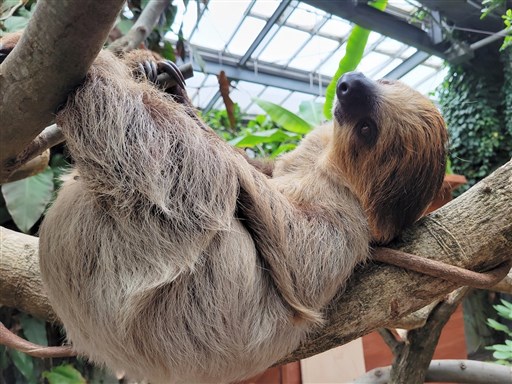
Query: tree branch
{"type": "Point", "coordinates": [142, 27]}
{"type": "Point", "coordinates": [473, 231]}
{"type": "Point", "coordinates": [449, 371]}
{"type": "Point", "coordinates": [34, 79]}
{"type": "Point", "coordinates": [411, 362]}
{"type": "Point", "coordinates": [30, 168]}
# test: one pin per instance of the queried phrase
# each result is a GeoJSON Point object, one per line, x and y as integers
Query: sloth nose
{"type": "Point", "coordinates": [352, 84]}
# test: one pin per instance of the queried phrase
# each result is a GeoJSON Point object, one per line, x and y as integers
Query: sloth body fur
{"type": "Point", "coordinates": [171, 258]}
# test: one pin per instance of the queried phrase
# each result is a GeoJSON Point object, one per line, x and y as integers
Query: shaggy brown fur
{"type": "Point", "coordinates": [172, 258]}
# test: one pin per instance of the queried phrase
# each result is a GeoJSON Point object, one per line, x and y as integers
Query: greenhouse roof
{"type": "Point", "coordinates": [286, 51]}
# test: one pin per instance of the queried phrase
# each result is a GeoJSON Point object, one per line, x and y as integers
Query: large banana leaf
{"type": "Point", "coordinates": [283, 117]}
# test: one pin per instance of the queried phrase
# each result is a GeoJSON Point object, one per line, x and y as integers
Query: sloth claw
{"type": "Point", "coordinates": [173, 71]}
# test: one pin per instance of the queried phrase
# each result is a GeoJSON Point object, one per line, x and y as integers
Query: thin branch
{"type": "Point", "coordinates": [411, 363]}
{"type": "Point", "coordinates": [30, 168]}
{"type": "Point", "coordinates": [449, 371]}
{"type": "Point", "coordinates": [10, 340]}
{"type": "Point", "coordinates": [50, 137]}
{"type": "Point", "coordinates": [390, 339]}
{"type": "Point", "coordinates": [142, 27]}
{"type": "Point", "coordinates": [49, 61]}
{"type": "Point", "coordinates": [504, 286]}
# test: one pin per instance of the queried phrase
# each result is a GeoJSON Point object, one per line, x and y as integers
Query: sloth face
{"type": "Point", "coordinates": [389, 144]}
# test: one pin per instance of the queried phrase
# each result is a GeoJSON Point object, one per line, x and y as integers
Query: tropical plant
{"type": "Point", "coordinates": [502, 352]}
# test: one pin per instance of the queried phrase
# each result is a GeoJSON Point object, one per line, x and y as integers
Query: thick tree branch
{"type": "Point", "coordinates": [49, 61]}
{"type": "Point", "coordinates": [473, 231]}
{"type": "Point", "coordinates": [449, 371]}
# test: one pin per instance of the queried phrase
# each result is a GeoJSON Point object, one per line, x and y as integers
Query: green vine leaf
{"type": "Point", "coordinates": [27, 199]}
{"type": "Point", "coordinates": [64, 374]}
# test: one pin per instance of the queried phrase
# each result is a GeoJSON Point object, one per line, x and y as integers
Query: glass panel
{"type": "Point", "coordinates": [390, 46]}
{"type": "Point", "coordinates": [274, 95]}
{"type": "Point", "coordinates": [384, 71]}
{"type": "Point", "coordinates": [189, 19]}
{"type": "Point", "coordinates": [434, 61]}
{"type": "Point", "coordinates": [430, 84]}
{"type": "Point", "coordinates": [292, 103]}
{"type": "Point", "coordinates": [305, 16]}
{"type": "Point", "coordinates": [265, 8]}
{"type": "Point", "coordinates": [218, 23]}
{"type": "Point", "coordinates": [313, 53]}
{"type": "Point", "coordinates": [206, 91]}
{"type": "Point", "coordinates": [254, 109]}
{"type": "Point", "coordinates": [284, 44]}
{"type": "Point", "coordinates": [417, 75]}
{"type": "Point", "coordinates": [245, 35]}
{"type": "Point", "coordinates": [408, 52]}
{"type": "Point", "coordinates": [330, 65]}
{"type": "Point", "coordinates": [336, 27]}
{"type": "Point", "coordinates": [371, 61]}
{"type": "Point", "coordinates": [244, 92]}
{"type": "Point", "coordinates": [196, 80]}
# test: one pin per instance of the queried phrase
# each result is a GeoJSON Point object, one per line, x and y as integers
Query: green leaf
{"type": "Point", "coordinates": [64, 374]}
{"type": "Point", "coordinates": [311, 111]}
{"type": "Point", "coordinates": [502, 355]}
{"type": "Point", "coordinates": [283, 117]}
{"type": "Point", "coordinates": [356, 44]}
{"type": "Point", "coordinates": [502, 348]}
{"type": "Point", "coordinates": [503, 311]}
{"type": "Point", "coordinates": [283, 148]}
{"type": "Point", "coordinates": [257, 138]}
{"type": "Point", "coordinates": [15, 23]}
{"type": "Point", "coordinates": [168, 51]}
{"type": "Point", "coordinates": [25, 365]}
{"type": "Point", "coordinates": [124, 25]}
{"type": "Point", "coordinates": [26, 199]}
{"type": "Point", "coordinates": [506, 304]}
{"type": "Point", "coordinates": [34, 329]}
{"type": "Point", "coordinates": [497, 326]}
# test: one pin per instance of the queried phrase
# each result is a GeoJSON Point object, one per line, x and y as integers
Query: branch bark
{"type": "Point", "coordinates": [34, 79]}
{"type": "Point", "coordinates": [413, 357]}
{"type": "Point", "coordinates": [473, 231]}
{"type": "Point", "coordinates": [449, 371]}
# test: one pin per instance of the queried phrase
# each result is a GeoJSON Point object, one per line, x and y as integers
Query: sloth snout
{"type": "Point", "coordinates": [354, 84]}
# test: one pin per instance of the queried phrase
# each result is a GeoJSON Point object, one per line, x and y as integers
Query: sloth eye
{"type": "Point", "coordinates": [367, 132]}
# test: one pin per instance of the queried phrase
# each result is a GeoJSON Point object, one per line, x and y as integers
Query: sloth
{"type": "Point", "coordinates": [170, 257]}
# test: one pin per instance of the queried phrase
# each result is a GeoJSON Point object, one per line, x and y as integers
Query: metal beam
{"type": "Point", "coordinates": [407, 65]}
{"type": "Point", "coordinates": [270, 23]}
{"type": "Point", "coordinates": [270, 75]}
{"type": "Point", "coordinates": [386, 24]}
